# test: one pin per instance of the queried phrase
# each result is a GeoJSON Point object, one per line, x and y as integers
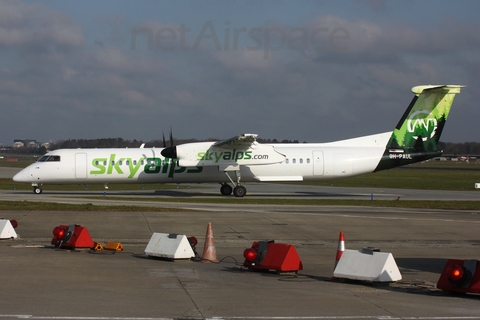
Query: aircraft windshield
{"type": "Point", "coordinates": [49, 158]}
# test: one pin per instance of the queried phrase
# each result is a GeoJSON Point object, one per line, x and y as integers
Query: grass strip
{"type": "Point", "coordinates": [51, 206]}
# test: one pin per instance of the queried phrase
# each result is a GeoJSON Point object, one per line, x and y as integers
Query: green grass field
{"type": "Point", "coordinates": [17, 161]}
{"type": "Point", "coordinates": [433, 175]}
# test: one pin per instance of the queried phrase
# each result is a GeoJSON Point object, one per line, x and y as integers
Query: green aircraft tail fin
{"type": "Point", "coordinates": [417, 134]}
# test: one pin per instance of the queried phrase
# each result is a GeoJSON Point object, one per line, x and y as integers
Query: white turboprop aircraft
{"type": "Point", "coordinates": [243, 159]}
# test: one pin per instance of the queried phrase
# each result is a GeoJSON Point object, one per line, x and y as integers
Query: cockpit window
{"type": "Point", "coordinates": [49, 158]}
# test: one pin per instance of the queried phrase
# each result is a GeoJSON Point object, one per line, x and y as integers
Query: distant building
{"type": "Point", "coordinates": [18, 143]}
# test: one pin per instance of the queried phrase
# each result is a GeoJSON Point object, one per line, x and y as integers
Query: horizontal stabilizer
{"type": "Point", "coordinates": [437, 88]}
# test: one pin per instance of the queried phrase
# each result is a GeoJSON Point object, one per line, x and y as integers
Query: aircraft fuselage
{"type": "Point", "coordinates": [303, 162]}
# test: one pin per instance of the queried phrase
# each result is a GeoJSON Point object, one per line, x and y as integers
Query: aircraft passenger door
{"type": "Point", "coordinates": [318, 163]}
{"type": "Point", "coordinates": [81, 165]}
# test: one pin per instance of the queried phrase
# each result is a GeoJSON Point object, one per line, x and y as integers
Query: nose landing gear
{"type": "Point", "coordinates": [37, 189]}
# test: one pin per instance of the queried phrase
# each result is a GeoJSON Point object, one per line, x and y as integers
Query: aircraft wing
{"type": "Point", "coordinates": [244, 140]}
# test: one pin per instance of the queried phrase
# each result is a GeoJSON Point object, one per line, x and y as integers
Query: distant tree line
{"type": "Point", "coordinates": [95, 143]}
{"type": "Point", "coordinates": [465, 148]}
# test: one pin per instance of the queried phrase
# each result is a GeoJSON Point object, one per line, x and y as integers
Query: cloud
{"type": "Point", "coordinates": [369, 42]}
{"type": "Point", "coordinates": [243, 59]}
{"type": "Point", "coordinates": [375, 5]}
{"type": "Point", "coordinates": [37, 27]}
{"type": "Point", "coordinates": [353, 78]}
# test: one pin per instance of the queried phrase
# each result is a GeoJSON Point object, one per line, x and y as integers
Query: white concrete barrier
{"type": "Point", "coordinates": [169, 246]}
{"type": "Point", "coordinates": [367, 265]}
{"type": "Point", "coordinates": [6, 230]}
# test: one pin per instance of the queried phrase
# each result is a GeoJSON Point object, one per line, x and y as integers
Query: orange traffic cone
{"type": "Point", "coordinates": [340, 248]}
{"type": "Point", "coordinates": [209, 251]}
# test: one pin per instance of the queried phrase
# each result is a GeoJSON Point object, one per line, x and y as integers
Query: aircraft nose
{"type": "Point", "coordinates": [22, 176]}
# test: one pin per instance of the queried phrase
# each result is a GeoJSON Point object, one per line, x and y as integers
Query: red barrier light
{"type": "Point", "coordinates": [460, 276]}
{"type": "Point", "coordinates": [250, 254]}
{"type": "Point", "coordinates": [71, 236]}
{"type": "Point", "coordinates": [59, 232]}
{"type": "Point", "coordinates": [14, 223]}
{"type": "Point", "coordinates": [456, 272]}
{"type": "Point", "coordinates": [267, 255]}
{"type": "Point", "coordinates": [193, 241]}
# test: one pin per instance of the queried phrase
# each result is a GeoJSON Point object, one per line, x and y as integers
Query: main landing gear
{"type": "Point", "coordinates": [238, 191]}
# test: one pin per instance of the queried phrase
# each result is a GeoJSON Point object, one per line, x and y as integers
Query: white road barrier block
{"type": "Point", "coordinates": [6, 230]}
{"type": "Point", "coordinates": [367, 265]}
{"type": "Point", "coordinates": [169, 246]}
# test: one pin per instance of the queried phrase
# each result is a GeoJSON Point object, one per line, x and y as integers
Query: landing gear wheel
{"type": "Point", "coordinates": [37, 190]}
{"type": "Point", "coordinates": [226, 189]}
{"type": "Point", "coordinates": [240, 191]}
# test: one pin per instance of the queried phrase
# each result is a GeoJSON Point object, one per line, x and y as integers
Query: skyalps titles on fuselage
{"type": "Point", "coordinates": [243, 159]}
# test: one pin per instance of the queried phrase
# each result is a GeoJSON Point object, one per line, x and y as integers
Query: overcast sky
{"type": "Point", "coordinates": [313, 71]}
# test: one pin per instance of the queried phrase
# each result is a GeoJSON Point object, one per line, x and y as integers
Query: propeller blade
{"type": "Point", "coordinates": [169, 152]}
{"type": "Point", "coordinates": [164, 142]}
